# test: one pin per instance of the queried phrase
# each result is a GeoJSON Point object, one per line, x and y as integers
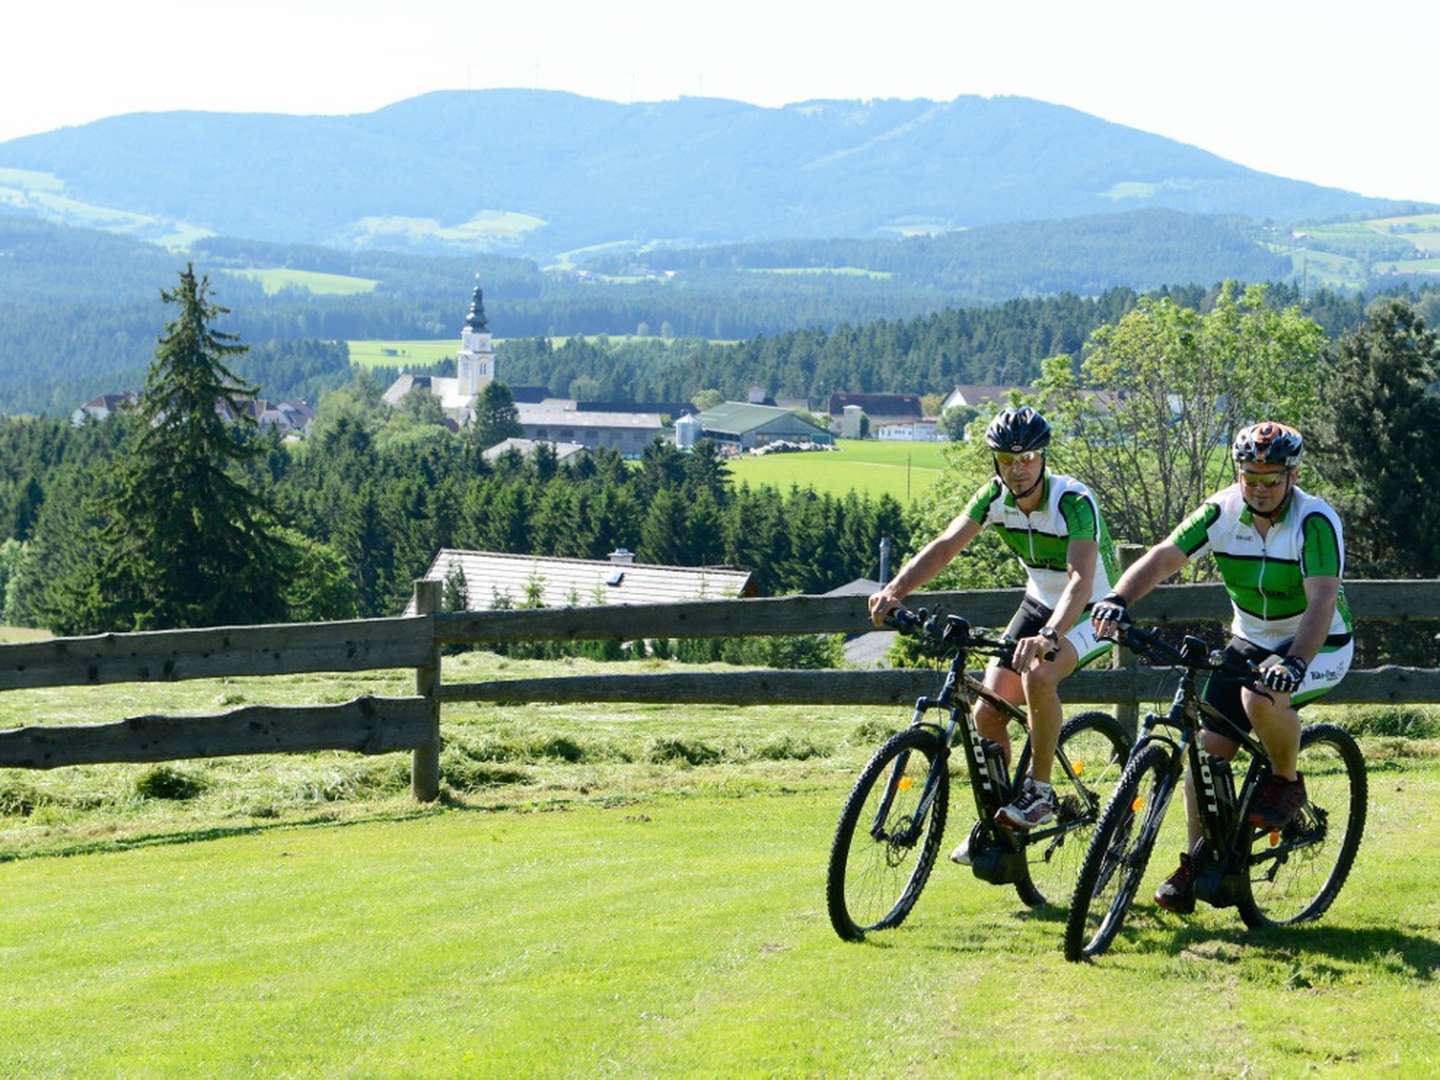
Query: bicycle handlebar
{"type": "Point", "coordinates": [950, 631]}
{"type": "Point", "coordinates": [1193, 654]}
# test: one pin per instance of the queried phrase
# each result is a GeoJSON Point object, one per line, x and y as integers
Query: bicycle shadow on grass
{"type": "Point", "coordinates": [1411, 955]}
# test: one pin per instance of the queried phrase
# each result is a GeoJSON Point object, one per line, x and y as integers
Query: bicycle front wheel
{"type": "Point", "coordinates": [1095, 746]}
{"type": "Point", "coordinates": [1118, 854]}
{"type": "Point", "coordinates": [889, 834]}
{"type": "Point", "coordinates": [1296, 872]}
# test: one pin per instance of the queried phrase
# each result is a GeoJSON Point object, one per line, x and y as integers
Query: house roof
{"type": "Point", "coordinates": [563, 450]}
{"type": "Point", "coordinates": [737, 418]}
{"type": "Point", "coordinates": [547, 413]}
{"type": "Point", "coordinates": [978, 394]}
{"type": "Point", "coordinates": [492, 573]}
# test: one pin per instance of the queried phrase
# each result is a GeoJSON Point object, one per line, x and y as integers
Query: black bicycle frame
{"type": "Point", "coordinates": [987, 798]}
{"type": "Point", "coordinates": [1222, 857]}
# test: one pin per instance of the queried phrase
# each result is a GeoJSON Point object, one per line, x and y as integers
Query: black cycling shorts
{"type": "Point", "coordinates": [1327, 669]}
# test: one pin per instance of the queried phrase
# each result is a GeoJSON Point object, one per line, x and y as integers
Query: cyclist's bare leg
{"type": "Point", "coordinates": [1042, 697]}
{"type": "Point", "coordinates": [1220, 747]}
{"type": "Point", "coordinates": [1278, 726]}
{"type": "Point", "coordinates": [990, 721]}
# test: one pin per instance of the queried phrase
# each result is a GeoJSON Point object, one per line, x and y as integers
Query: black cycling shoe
{"type": "Point", "coordinates": [1177, 893]}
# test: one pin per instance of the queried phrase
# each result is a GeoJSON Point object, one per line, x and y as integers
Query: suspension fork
{"type": "Point", "coordinates": [897, 772]}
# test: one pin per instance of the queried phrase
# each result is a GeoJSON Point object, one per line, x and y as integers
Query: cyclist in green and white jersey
{"type": "Point", "coordinates": [1053, 525]}
{"type": "Point", "coordinates": [1281, 554]}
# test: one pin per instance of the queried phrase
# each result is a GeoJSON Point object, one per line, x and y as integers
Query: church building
{"type": "Point", "coordinates": [474, 369]}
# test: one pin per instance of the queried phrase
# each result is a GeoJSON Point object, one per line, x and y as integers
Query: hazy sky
{"type": "Point", "coordinates": [1339, 94]}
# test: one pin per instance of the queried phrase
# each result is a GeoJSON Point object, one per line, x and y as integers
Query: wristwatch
{"type": "Point", "coordinates": [1049, 634]}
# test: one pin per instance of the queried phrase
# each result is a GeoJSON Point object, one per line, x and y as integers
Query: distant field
{"type": "Point", "coordinates": [867, 467]}
{"type": "Point", "coordinates": [1410, 266]}
{"type": "Point", "coordinates": [843, 271]}
{"type": "Point", "coordinates": [375, 354]}
{"type": "Point", "coordinates": [400, 353]}
{"type": "Point", "coordinates": [275, 279]}
{"type": "Point", "coordinates": [11, 634]}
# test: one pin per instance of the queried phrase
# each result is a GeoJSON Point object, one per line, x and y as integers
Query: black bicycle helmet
{"type": "Point", "coordinates": [1017, 430]}
{"type": "Point", "coordinates": [1268, 443]}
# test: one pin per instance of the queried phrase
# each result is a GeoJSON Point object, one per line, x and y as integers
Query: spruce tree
{"type": "Point", "coordinates": [189, 543]}
{"type": "Point", "coordinates": [496, 418]}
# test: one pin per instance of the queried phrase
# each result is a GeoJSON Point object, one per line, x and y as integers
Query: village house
{"type": "Point", "coordinates": [496, 579]}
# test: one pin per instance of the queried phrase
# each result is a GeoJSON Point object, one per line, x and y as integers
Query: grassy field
{"type": "Point", "coordinates": [372, 353]}
{"type": "Point", "coordinates": [274, 279]}
{"type": "Point", "coordinates": [402, 353]}
{"type": "Point", "coordinates": [903, 470]}
{"type": "Point", "coordinates": [661, 917]}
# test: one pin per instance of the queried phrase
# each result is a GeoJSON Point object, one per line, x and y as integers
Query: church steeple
{"type": "Point", "coordinates": [476, 319]}
{"type": "Point", "coordinates": [475, 364]}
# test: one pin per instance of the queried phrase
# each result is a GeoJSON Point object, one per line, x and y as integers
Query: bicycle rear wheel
{"type": "Point", "coordinates": [888, 835]}
{"type": "Point", "coordinates": [1096, 747]}
{"type": "Point", "coordinates": [1296, 873]}
{"type": "Point", "coordinates": [1119, 851]}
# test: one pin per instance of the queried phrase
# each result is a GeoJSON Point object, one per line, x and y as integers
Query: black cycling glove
{"type": "Point", "coordinates": [1286, 676]}
{"type": "Point", "coordinates": [1110, 609]}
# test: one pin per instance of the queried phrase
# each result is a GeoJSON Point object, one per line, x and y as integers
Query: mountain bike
{"type": "Point", "coordinates": [890, 829]}
{"type": "Point", "coordinates": [1275, 877]}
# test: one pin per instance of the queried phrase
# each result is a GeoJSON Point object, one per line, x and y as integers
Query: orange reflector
{"type": "Point", "coordinates": [1137, 803]}
{"type": "Point", "coordinates": [1274, 838]}
{"type": "Point", "coordinates": [906, 783]}
{"type": "Point", "coordinates": [1079, 768]}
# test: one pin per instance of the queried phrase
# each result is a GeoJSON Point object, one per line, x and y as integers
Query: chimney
{"type": "Point", "coordinates": [884, 560]}
{"type": "Point", "coordinates": [622, 557]}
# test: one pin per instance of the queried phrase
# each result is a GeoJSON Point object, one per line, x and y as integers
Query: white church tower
{"type": "Point", "coordinates": [475, 364]}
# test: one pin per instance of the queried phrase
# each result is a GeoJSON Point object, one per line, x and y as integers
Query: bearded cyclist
{"type": "Point", "coordinates": [1052, 523]}
{"type": "Point", "coordinates": [1281, 554]}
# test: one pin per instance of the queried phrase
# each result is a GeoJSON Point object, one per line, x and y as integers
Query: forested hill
{"type": "Point", "coordinates": [546, 172]}
{"type": "Point", "coordinates": [1141, 249]}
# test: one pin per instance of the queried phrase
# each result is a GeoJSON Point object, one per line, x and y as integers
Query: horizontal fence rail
{"type": "Point", "coordinates": [366, 725]}
{"type": "Point", "coordinates": [375, 725]}
{"type": "Point", "coordinates": [170, 655]}
{"type": "Point", "coordinates": [1369, 600]}
{"type": "Point", "coordinates": [1385, 685]}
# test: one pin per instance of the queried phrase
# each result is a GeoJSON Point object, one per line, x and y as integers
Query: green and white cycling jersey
{"type": "Point", "coordinates": [1067, 511]}
{"type": "Point", "coordinates": [1266, 577]}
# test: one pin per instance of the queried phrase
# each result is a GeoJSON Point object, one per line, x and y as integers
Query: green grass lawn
{"type": "Point", "coordinates": [273, 280]}
{"type": "Point", "coordinates": [903, 470]}
{"type": "Point", "coordinates": [659, 918]}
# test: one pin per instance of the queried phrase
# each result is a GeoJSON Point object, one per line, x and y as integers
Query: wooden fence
{"type": "Point", "coordinates": [373, 725]}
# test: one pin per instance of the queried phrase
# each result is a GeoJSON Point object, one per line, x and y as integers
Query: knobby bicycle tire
{"type": "Point", "coordinates": [1097, 747]}
{"type": "Point", "coordinates": [866, 869]}
{"type": "Point", "coordinates": [1303, 883]}
{"type": "Point", "coordinates": [1119, 852]}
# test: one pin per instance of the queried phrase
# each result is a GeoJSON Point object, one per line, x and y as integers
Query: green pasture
{"type": "Point", "coordinates": [1428, 222]}
{"type": "Point", "coordinates": [485, 229]}
{"type": "Point", "coordinates": [373, 353]}
{"type": "Point", "coordinates": [632, 890]}
{"type": "Point", "coordinates": [904, 470]}
{"type": "Point", "coordinates": [44, 191]}
{"type": "Point", "coordinates": [402, 353]}
{"type": "Point", "coordinates": [274, 279]}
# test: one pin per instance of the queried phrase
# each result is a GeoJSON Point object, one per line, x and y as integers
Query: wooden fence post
{"type": "Point", "coordinates": [1128, 712]}
{"type": "Point", "coordinates": [425, 760]}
